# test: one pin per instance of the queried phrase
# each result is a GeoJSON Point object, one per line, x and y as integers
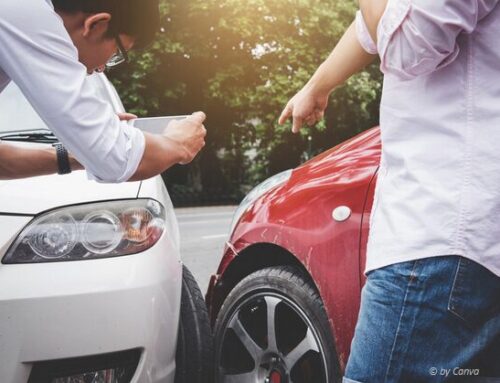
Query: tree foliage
{"type": "Point", "coordinates": [240, 62]}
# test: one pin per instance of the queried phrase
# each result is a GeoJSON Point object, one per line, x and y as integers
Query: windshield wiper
{"type": "Point", "coordinates": [42, 138]}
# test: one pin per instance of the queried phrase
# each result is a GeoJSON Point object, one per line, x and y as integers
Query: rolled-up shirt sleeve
{"type": "Point", "coordinates": [418, 37]}
{"type": "Point", "coordinates": [364, 37]}
{"type": "Point", "coordinates": [39, 56]}
{"type": "Point", "coordinates": [124, 155]}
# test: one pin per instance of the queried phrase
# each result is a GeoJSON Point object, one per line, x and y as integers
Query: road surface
{"type": "Point", "coordinates": [204, 231]}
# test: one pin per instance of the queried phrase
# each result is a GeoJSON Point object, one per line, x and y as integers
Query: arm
{"type": "Point", "coordinates": [418, 37]}
{"type": "Point", "coordinates": [309, 104]}
{"type": "Point", "coordinates": [179, 144]}
{"type": "Point", "coordinates": [372, 11]}
{"type": "Point", "coordinates": [17, 162]}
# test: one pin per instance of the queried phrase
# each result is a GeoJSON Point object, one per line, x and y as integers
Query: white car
{"type": "Point", "coordinates": [92, 288]}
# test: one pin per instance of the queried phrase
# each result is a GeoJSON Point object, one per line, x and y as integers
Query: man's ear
{"type": "Point", "coordinates": [96, 25]}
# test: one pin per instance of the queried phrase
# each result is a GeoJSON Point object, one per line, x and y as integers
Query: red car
{"type": "Point", "coordinates": [285, 299]}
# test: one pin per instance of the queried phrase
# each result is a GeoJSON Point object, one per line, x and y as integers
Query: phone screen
{"type": "Point", "coordinates": [154, 125]}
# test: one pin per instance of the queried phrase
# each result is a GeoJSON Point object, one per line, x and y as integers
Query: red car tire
{"type": "Point", "coordinates": [299, 347]}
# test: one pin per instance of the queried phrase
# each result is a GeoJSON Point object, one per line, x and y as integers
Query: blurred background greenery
{"type": "Point", "coordinates": [239, 62]}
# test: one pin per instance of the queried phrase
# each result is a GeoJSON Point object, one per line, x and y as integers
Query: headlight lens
{"type": "Point", "coordinates": [258, 191]}
{"type": "Point", "coordinates": [100, 230]}
{"type": "Point", "coordinates": [55, 237]}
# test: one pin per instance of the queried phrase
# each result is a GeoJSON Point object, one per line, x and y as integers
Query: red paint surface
{"type": "Point", "coordinates": [297, 216]}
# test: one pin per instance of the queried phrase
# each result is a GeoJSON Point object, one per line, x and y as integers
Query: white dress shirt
{"type": "Point", "coordinates": [438, 190]}
{"type": "Point", "coordinates": [37, 53]}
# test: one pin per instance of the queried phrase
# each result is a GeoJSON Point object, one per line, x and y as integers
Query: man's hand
{"type": "Point", "coordinates": [187, 136]}
{"type": "Point", "coordinates": [307, 106]}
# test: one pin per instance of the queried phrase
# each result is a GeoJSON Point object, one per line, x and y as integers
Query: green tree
{"type": "Point", "coordinates": [240, 61]}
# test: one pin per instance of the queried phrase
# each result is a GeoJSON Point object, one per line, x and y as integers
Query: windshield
{"type": "Point", "coordinates": [16, 113]}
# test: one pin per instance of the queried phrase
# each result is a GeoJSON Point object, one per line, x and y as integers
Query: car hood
{"type": "Point", "coordinates": [32, 196]}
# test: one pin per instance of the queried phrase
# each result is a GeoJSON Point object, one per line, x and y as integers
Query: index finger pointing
{"type": "Point", "coordinates": [285, 115]}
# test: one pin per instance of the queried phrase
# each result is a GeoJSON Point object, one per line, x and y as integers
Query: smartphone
{"type": "Point", "coordinates": [154, 125]}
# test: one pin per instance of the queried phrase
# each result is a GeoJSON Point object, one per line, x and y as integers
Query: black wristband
{"type": "Point", "coordinates": [62, 159]}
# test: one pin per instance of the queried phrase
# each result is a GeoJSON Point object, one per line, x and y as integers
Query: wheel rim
{"type": "Point", "coordinates": [269, 339]}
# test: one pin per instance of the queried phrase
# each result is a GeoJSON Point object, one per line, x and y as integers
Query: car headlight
{"type": "Point", "coordinates": [258, 191]}
{"type": "Point", "coordinates": [97, 230]}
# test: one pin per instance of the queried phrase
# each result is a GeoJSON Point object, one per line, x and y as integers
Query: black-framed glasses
{"type": "Point", "coordinates": [119, 57]}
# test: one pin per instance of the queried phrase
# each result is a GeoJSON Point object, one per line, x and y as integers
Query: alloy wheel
{"type": "Point", "coordinates": [270, 339]}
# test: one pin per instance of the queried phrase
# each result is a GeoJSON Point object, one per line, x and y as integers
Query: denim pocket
{"type": "Point", "coordinates": [475, 294]}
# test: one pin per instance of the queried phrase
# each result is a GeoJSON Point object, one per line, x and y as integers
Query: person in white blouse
{"type": "Point", "coordinates": [48, 48]}
{"type": "Point", "coordinates": [430, 308]}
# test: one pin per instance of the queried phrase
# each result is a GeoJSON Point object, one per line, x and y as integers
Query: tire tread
{"type": "Point", "coordinates": [197, 359]}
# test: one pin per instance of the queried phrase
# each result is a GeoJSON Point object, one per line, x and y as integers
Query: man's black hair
{"type": "Point", "coordinates": [139, 19]}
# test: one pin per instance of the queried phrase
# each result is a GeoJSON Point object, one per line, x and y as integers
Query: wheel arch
{"type": "Point", "coordinates": [251, 259]}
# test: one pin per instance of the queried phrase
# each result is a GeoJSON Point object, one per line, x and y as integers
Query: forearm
{"type": "Point", "coordinates": [372, 11]}
{"type": "Point", "coordinates": [17, 162]}
{"type": "Point", "coordinates": [160, 154]}
{"type": "Point", "coordinates": [346, 59]}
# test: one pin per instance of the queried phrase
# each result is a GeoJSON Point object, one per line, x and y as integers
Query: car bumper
{"type": "Point", "coordinates": [55, 311]}
{"type": "Point", "coordinates": [216, 290]}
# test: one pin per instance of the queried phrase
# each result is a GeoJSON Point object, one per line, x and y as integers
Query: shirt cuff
{"type": "Point", "coordinates": [364, 37]}
{"type": "Point", "coordinates": [135, 150]}
{"type": "Point", "coordinates": [135, 146]}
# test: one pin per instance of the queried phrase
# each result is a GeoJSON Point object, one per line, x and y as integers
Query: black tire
{"type": "Point", "coordinates": [244, 315]}
{"type": "Point", "coordinates": [194, 358]}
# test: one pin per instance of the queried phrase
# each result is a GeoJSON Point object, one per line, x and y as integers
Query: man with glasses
{"type": "Point", "coordinates": [48, 48]}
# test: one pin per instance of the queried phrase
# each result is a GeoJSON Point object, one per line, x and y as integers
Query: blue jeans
{"type": "Point", "coordinates": [430, 320]}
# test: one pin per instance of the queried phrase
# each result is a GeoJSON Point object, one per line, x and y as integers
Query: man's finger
{"type": "Point", "coordinates": [319, 114]}
{"type": "Point", "coordinates": [198, 117]}
{"type": "Point", "coordinates": [297, 124]}
{"type": "Point", "coordinates": [126, 116]}
{"type": "Point", "coordinates": [311, 120]}
{"type": "Point", "coordinates": [285, 115]}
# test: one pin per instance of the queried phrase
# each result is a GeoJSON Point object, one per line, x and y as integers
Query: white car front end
{"type": "Point", "coordinates": [82, 299]}
{"type": "Point", "coordinates": [53, 311]}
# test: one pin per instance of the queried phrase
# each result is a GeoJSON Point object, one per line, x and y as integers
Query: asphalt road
{"type": "Point", "coordinates": [204, 231]}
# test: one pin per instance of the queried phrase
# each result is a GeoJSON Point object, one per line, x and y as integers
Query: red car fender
{"type": "Point", "coordinates": [297, 217]}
